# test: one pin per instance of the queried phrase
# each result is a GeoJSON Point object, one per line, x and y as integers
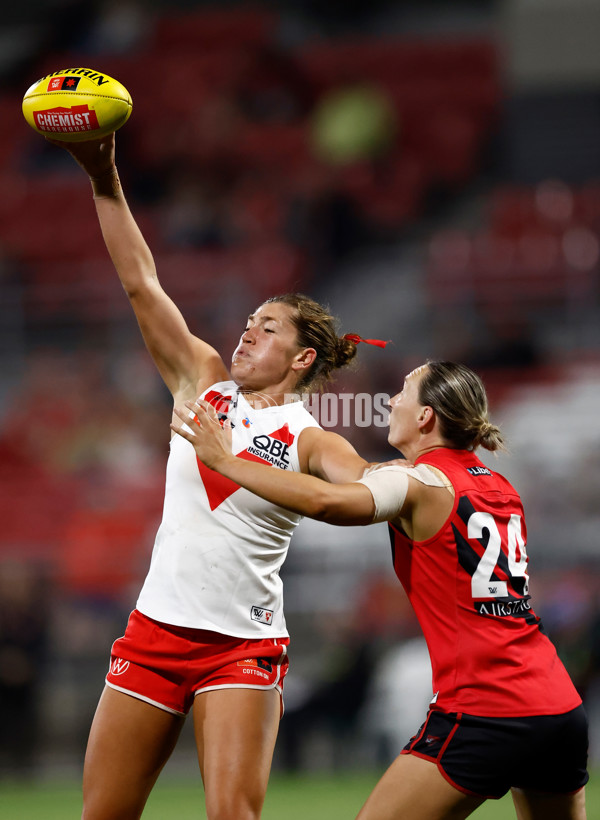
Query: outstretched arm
{"type": "Point", "coordinates": [345, 504]}
{"type": "Point", "coordinates": [186, 363]}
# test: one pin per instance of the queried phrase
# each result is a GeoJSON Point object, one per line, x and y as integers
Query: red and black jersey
{"type": "Point", "coordinates": [469, 587]}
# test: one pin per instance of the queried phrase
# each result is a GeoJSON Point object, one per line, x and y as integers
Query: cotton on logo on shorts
{"type": "Point", "coordinates": [119, 666]}
{"type": "Point", "coordinates": [263, 616]}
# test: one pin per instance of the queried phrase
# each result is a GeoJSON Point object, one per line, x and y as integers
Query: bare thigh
{"type": "Point", "coordinates": [236, 730]}
{"type": "Point", "coordinates": [535, 806]}
{"type": "Point", "coordinates": [130, 741]}
{"type": "Point", "coordinates": [414, 788]}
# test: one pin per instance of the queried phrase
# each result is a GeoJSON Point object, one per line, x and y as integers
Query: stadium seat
{"type": "Point", "coordinates": [214, 26]}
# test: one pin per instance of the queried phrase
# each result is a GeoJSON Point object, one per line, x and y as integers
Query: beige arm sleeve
{"type": "Point", "coordinates": [389, 486]}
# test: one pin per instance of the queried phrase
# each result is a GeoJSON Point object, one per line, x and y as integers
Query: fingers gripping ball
{"type": "Point", "coordinates": [76, 104]}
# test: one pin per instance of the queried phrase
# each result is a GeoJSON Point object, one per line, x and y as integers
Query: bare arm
{"type": "Point", "coordinates": [422, 506]}
{"type": "Point", "coordinates": [329, 456]}
{"type": "Point", "coordinates": [182, 359]}
{"type": "Point", "coordinates": [344, 504]}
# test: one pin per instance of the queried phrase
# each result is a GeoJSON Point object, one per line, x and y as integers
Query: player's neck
{"type": "Point", "coordinates": [268, 397]}
{"type": "Point", "coordinates": [424, 446]}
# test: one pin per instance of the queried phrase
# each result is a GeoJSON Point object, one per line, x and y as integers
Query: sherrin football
{"type": "Point", "coordinates": [76, 104]}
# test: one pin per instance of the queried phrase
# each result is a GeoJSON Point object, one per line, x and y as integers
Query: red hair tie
{"type": "Point", "coordinates": [356, 339]}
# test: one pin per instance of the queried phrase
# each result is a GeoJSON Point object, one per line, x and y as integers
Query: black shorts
{"type": "Point", "coordinates": [487, 756]}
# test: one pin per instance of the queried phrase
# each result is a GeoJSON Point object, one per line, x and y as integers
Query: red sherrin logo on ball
{"type": "Point", "coordinates": [63, 120]}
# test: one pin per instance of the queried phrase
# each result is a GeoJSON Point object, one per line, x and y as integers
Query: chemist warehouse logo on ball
{"type": "Point", "coordinates": [76, 119]}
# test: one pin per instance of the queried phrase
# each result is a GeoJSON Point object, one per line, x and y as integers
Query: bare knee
{"type": "Point", "coordinates": [107, 807]}
{"type": "Point", "coordinates": [109, 814]}
{"type": "Point", "coordinates": [232, 813]}
{"type": "Point", "coordinates": [234, 807]}
{"type": "Point", "coordinates": [129, 743]}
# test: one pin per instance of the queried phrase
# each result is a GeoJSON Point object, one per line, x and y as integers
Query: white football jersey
{"type": "Point", "coordinates": [219, 548]}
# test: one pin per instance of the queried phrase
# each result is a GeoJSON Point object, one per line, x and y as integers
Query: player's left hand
{"type": "Point", "coordinates": [202, 428]}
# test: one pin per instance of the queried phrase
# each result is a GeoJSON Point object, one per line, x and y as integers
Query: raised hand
{"type": "Point", "coordinates": [202, 428]}
{"type": "Point", "coordinates": [96, 157]}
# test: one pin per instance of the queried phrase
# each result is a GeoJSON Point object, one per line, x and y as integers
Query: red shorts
{"type": "Point", "coordinates": [168, 665]}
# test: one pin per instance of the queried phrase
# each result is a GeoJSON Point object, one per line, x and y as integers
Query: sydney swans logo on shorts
{"type": "Point", "coordinates": [263, 616]}
{"type": "Point", "coordinates": [119, 666]}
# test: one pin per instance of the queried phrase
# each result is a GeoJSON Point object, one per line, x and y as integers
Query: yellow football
{"type": "Point", "coordinates": [76, 104]}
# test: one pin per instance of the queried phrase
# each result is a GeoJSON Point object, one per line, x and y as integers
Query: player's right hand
{"type": "Point", "coordinates": [96, 157]}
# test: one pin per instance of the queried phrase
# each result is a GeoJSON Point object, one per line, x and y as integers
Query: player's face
{"type": "Point", "coordinates": [405, 411]}
{"type": "Point", "coordinates": [267, 349]}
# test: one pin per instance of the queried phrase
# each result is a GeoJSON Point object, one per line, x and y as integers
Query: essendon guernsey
{"type": "Point", "coordinates": [469, 587]}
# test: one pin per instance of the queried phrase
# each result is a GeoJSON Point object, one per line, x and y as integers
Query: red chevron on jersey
{"type": "Point", "coordinates": [218, 487]}
{"type": "Point", "coordinates": [284, 435]}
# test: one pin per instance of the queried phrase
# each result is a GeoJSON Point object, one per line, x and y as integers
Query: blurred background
{"type": "Point", "coordinates": [428, 168]}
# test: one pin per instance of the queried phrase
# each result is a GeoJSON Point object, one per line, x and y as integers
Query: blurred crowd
{"type": "Point", "coordinates": [269, 149]}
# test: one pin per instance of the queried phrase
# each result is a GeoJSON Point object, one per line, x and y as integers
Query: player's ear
{"type": "Point", "coordinates": [304, 358]}
{"type": "Point", "coordinates": [426, 418]}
